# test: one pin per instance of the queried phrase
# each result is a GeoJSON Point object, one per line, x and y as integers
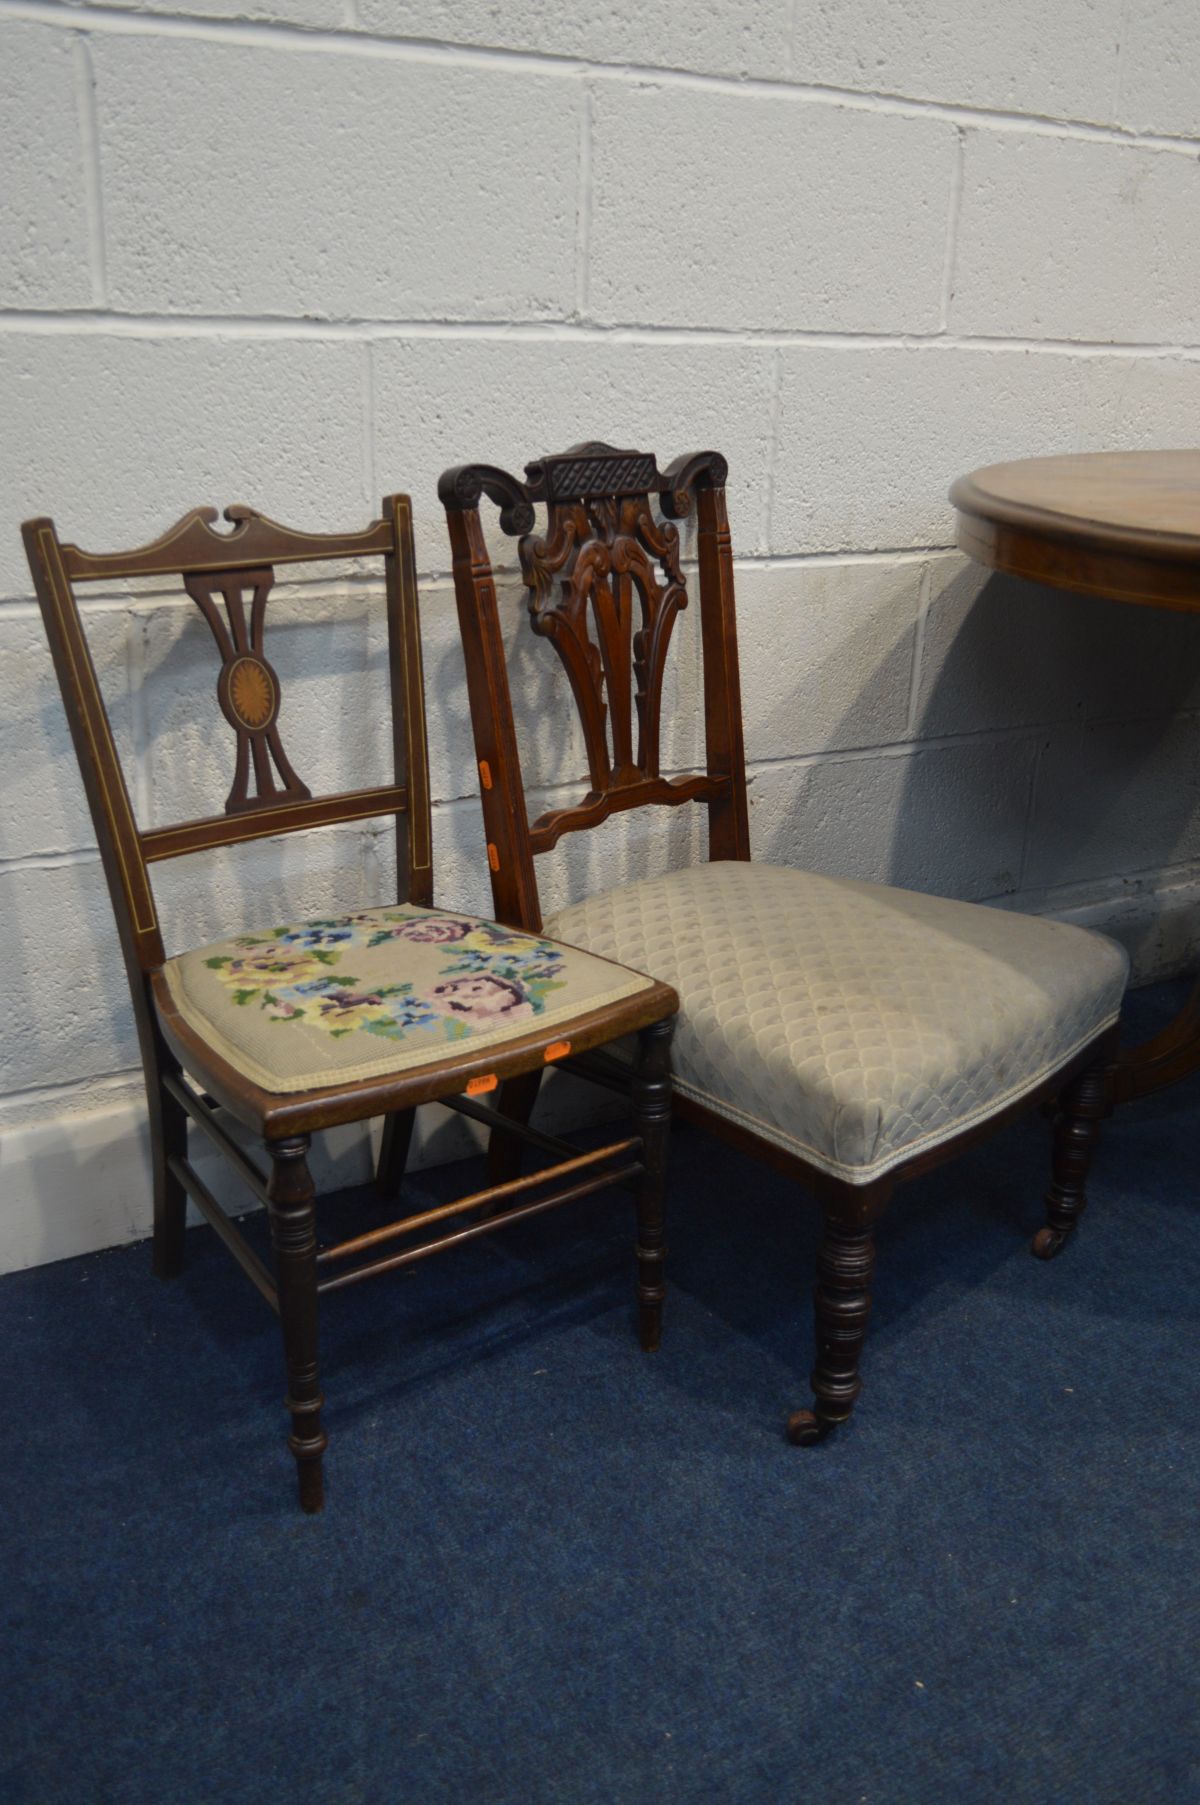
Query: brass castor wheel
{"type": "Point", "coordinates": [1048, 1242]}
{"type": "Point", "coordinates": [805, 1429]}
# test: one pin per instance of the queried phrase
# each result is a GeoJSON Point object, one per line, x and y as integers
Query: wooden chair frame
{"type": "Point", "coordinates": [236, 566]}
{"type": "Point", "coordinates": [600, 547]}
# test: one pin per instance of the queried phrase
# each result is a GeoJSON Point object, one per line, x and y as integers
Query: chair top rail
{"type": "Point", "coordinates": [585, 472]}
{"type": "Point", "coordinates": [193, 544]}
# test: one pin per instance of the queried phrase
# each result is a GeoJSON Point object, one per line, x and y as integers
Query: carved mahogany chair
{"type": "Point", "coordinates": [297, 1026]}
{"type": "Point", "coordinates": [850, 1034]}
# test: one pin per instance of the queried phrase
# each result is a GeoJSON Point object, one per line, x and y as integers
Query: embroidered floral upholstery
{"type": "Point", "coordinates": [851, 1023]}
{"type": "Point", "coordinates": [359, 996]}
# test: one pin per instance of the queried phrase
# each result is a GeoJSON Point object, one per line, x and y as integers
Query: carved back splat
{"type": "Point", "coordinates": [604, 555]}
{"type": "Point", "coordinates": [247, 688]}
{"type": "Point", "coordinates": [605, 587]}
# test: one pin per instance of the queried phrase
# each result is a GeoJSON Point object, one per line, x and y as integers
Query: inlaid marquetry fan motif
{"type": "Point", "coordinates": [252, 694]}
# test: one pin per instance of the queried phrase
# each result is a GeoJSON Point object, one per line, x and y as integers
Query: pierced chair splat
{"type": "Point", "coordinates": [292, 1028]}
{"type": "Point", "coordinates": [850, 1034]}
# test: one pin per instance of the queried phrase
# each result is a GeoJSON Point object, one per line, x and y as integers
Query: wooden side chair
{"type": "Point", "coordinates": [296, 1026]}
{"type": "Point", "coordinates": [850, 1034]}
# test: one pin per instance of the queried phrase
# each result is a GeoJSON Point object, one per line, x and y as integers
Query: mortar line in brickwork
{"type": "Point", "coordinates": [1123, 717]}
{"type": "Point", "coordinates": [90, 855]}
{"type": "Point", "coordinates": [1178, 870]}
{"type": "Point", "coordinates": [20, 607]}
{"type": "Point", "coordinates": [105, 323]}
{"type": "Point", "coordinates": [289, 36]}
{"type": "Point", "coordinates": [1119, 58]}
{"type": "Point", "coordinates": [914, 682]}
{"type": "Point", "coordinates": [905, 748]}
{"type": "Point", "coordinates": [549, 793]}
{"type": "Point", "coordinates": [89, 140]}
{"type": "Point", "coordinates": [1159, 892]}
{"type": "Point", "coordinates": [49, 861]}
{"type": "Point", "coordinates": [370, 485]}
{"type": "Point", "coordinates": [583, 207]}
{"type": "Point", "coordinates": [318, 588]}
{"type": "Point", "coordinates": [888, 554]}
{"type": "Point", "coordinates": [1078, 892]}
{"type": "Point", "coordinates": [127, 1077]}
{"type": "Point", "coordinates": [1035, 773]}
{"type": "Point", "coordinates": [953, 214]}
{"type": "Point", "coordinates": [773, 448]}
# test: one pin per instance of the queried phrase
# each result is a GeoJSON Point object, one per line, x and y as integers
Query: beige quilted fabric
{"type": "Point", "coordinates": [851, 1023]}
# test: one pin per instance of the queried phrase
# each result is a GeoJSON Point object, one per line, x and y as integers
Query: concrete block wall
{"type": "Point", "coordinates": [301, 252]}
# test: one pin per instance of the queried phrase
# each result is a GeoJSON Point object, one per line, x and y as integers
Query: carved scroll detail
{"type": "Point", "coordinates": [609, 558]}
{"type": "Point", "coordinates": [603, 560]}
{"type": "Point", "coordinates": [247, 687]}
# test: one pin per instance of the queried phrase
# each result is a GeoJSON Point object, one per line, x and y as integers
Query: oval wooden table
{"type": "Point", "coordinates": [1124, 524]}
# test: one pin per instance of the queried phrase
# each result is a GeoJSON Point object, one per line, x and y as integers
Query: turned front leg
{"type": "Point", "coordinates": [294, 1238]}
{"type": "Point", "coordinates": [651, 1091]}
{"type": "Point", "coordinates": [1081, 1109]}
{"type": "Point", "coordinates": [842, 1307]}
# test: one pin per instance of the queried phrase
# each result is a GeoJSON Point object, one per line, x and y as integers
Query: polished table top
{"type": "Point", "coordinates": [1114, 523]}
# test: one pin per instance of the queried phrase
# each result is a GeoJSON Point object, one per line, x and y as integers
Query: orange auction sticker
{"type": "Point", "coordinates": [486, 1082]}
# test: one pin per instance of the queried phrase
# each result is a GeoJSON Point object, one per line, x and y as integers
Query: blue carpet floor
{"type": "Point", "coordinates": [553, 1568]}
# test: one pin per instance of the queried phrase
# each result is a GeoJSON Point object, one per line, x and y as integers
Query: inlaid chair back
{"type": "Point", "coordinates": [605, 587]}
{"type": "Point", "coordinates": [230, 576]}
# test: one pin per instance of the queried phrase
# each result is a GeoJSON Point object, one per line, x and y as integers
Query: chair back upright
{"type": "Point", "coordinates": [605, 557]}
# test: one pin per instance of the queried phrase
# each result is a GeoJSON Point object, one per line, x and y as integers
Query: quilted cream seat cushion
{"type": "Point", "coordinates": [361, 996]}
{"type": "Point", "coordinates": [850, 1023]}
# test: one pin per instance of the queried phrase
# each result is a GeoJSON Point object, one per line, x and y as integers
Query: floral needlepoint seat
{"type": "Point", "coordinates": [315, 1003]}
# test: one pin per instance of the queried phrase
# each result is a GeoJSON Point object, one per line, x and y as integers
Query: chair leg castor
{"type": "Point", "coordinates": [805, 1429]}
{"type": "Point", "coordinates": [1049, 1241]}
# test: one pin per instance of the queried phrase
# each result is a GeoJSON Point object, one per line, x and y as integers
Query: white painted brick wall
{"type": "Point", "coordinates": [43, 205]}
{"type": "Point", "coordinates": [301, 252]}
{"type": "Point", "coordinates": [1158, 89]}
{"type": "Point", "coordinates": [751, 38]}
{"type": "Point", "coordinates": [803, 217]}
{"type": "Point", "coordinates": [333, 186]}
{"type": "Point", "coordinates": [1018, 56]}
{"type": "Point", "coordinates": [1084, 240]}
